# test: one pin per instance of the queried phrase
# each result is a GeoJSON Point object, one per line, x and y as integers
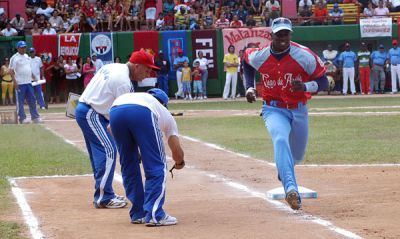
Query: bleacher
{"type": "Point", "coordinates": [351, 12]}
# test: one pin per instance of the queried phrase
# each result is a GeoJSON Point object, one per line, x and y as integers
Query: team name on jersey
{"type": "Point", "coordinates": [282, 83]}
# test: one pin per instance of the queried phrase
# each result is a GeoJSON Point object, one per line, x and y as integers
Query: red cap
{"type": "Point", "coordinates": [394, 42]}
{"type": "Point", "coordinates": [143, 58]}
{"type": "Point", "coordinates": [180, 50]}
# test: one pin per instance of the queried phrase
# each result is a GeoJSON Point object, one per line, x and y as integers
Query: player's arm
{"type": "Point", "coordinates": [177, 151]}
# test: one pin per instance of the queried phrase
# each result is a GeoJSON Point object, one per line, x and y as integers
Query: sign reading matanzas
{"type": "Point", "coordinates": [376, 27]}
{"type": "Point", "coordinates": [241, 37]}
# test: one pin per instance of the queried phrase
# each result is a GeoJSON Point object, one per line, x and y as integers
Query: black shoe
{"type": "Point", "coordinates": [293, 199]}
{"type": "Point", "coordinates": [279, 177]}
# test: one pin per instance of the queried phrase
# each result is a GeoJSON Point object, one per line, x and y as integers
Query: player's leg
{"type": "Point", "coordinates": [234, 85]}
{"type": "Point", "coordinates": [4, 87]}
{"type": "Point", "coordinates": [39, 96]}
{"type": "Point", "coordinates": [351, 77]}
{"type": "Point", "coordinates": [227, 85]}
{"type": "Point", "coordinates": [397, 76]}
{"type": "Point", "coordinates": [20, 94]}
{"type": "Point", "coordinates": [30, 98]}
{"type": "Point", "coordinates": [393, 76]}
{"type": "Point", "coordinates": [298, 137]}
{"type": "Point", "coordinates": [122, 121]}
{"type": "Point", "coordinates": [345, 80]}
{"type": "Point", "coordinates": [382, 79]}
{"type": "Point", "coordinates": [367, 80]}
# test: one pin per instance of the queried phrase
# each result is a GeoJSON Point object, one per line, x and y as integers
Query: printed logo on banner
{"type": "Point", "coordinates": [206, 42]}
{"type": "Point", "coordinates": [173, 45]}
{"type": "Point", "coordinates": [241, 37]}
{"type": "Point", "coordinates": [101, 44]}
{"type": "Point", "coordinates": [69, 45]}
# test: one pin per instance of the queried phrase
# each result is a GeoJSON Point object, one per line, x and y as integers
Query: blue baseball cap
{"type": "Point", "coordinates": [31, 49]}
{"type": "Point", "coordinates": [160, 96]}
{"type": "Point", "coordinates": [21, 44]}
{"type": "Point", "coordinates": [335, 5]}
{"type": "Point", "coordinates": [281, 23]}
{"type": "Point", "coordinates": [381, 46]}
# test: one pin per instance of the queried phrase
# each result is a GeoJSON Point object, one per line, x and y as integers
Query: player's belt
{"type": "Point", "coordinates": [285, 105]}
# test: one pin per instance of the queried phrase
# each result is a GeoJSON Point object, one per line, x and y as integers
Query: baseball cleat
{"type": "Point", "coordinates": [112, 204]}
{"type": "Point", "coordinates": [167, 220]}
{"type": "Point", "coordinates": [139, 221]}
{"type": "Point", "coordinates": [293, 199]}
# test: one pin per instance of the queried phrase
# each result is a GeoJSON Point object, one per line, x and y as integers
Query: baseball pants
{"type": "Point", "coordinates": [39, 96]}
{"type": "Point", "coordinates": [348, 74]}
{"type": "Point", "coordinates": [379, 78]}
{"type": "Point", "coordinates": [133, 127]}
{"type": "Point", "coordinates": [365, 75]}
{"type": "Point", "coordinates": [289, 133]}
{"type": "Point", "coordinates": [395, 73]}
{"type": "Point", "coordinates": [26, 91]}
{"type": "Point", "coordinates": [230, 78]}
{"type": "Point", "coordinates": [179, 82]}
{"type": "Point", "coordinates": [101, 149]}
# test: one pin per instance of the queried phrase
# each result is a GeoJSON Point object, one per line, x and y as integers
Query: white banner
{"type": "Point", "coordinates": [376, 27]}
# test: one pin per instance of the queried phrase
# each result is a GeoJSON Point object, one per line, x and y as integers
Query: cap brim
{"type": "Point", "coordinates": [281, 28]}
{"type": "Point", "coordinates": [153, 67]}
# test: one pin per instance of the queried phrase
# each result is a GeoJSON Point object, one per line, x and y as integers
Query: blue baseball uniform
{"type": "Point", "coordinates": [137, 121]}
{"type": "Point", "coordinates": [378, 59]}
{"type": "Point", "coordinates": [348, 59]}
{"type": "Point", "coordinates": [394, 57]}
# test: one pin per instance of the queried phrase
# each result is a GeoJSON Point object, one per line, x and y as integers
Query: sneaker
{"type": "Point", "coordinates": [121, 198]}
{"type": "Point", "coordinates": [26, 121]}
{"type": "Point", "coordinates": [113, 203]}
{"type": "Point", "coordinates": [176, 96]}
{"type": "Point", "coordinates": [139, 221]}
{"type": "Point", "coordinates": [166, 221]}
{"type": "Point", "coordinates": [190, 97]}
{"type": "Point", "coordinates": [293, 199]}
{"type": "Point", "coordinates": [43, 108]}
{"type": "Point", "coordinates": [204, 97]}
{"type": "Point", "coordinates": [201, 97]}
{"type": "Point", "coordinates": [38, 121]}
{"type": "Point", "coordinates": [196, 98]}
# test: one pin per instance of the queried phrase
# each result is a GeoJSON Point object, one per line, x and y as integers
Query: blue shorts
{"type": "Point", "coordinates": [197, 86]}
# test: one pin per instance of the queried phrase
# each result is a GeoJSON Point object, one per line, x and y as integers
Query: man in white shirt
{"type": "Point", "coordinates": [56, 21]}
{"type": "Point", "coordinates": [8, 31]}
{"type": "Point", "coordinates": [98, 63]}
{"type": "Point", "coordinates": [21, 72]}
{"type": "Point", "coordinates": [137, 120]}
{"type": "Point", "coordinates": [45, 10]}
{"type": "Point", "coordinates": [92, 116]}
{"type": "Point", "coordinates": [18, 23]}
{"type": "Point", "coordinates": [49, 30]}
{"type": "Point", "coordinates": [37, 70]}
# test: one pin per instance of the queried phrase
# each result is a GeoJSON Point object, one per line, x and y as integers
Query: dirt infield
{"type": "Point", "coordinates": [219, 195]}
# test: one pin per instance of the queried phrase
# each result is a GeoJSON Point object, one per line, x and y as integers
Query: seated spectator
{"type": "Point", "coordinates": [56, 21]}
{"type": "Point", "coordinates": [100, 16]}
{"type": "Point", "coordinates": [303, 3]}
{"type": "Point", "coordinates": [228, 13]}
{"type": "Point", "coordinates": [8, 31]}
{"type": "Point", "coordinates": [181, 19]}
{"type": "Point", "coordinates": [258, 19]}
{"type": "Point", "coordinates": [41, 21]}
{"type": "Point", "coordinates": [3, 18]}
{"type": "Point", "coordinates": [274, 8]}
{"type": "Point", "coordinates": [208, 20]}
{"type": "Point", "coordinates": [375, 3]}
{"type": "Point", "coordinates": [44, 10]}
{"type": "Point", "coordinates": [242, 13]}
{"type": "Point", "coordinates": [18, 23]}
{"type": "Point", "coordinates": [267, 19]}
{"type": "Point", "coordinates": [49, 30]}
{"type": "Point", "coordinates": [181, 5]}
{"type": "Point", "coordinates": [150, 9]}
{"type": "Point", "coordinates": [236, 23]}
{"type": "Point", "coordinates": [36, 30]}
{"type": "Point", "coordinates": [352, 1]}
{"type": "Point", "coordinates": [193, 20]}
{"type": "Point", "coordinates": [160, 22]}
{"type": "Point", "coordinates": [368, 11]}
{"type": "Point", "coordinates": [336, 14]}
{"type": "Point", "coordinates": [320, 14]}
{"type": "Point", "coordinates": [133, 15]}
{"type": "Point", "coordinates": [108, 14]}
{"type": "Point", "coordinates": [250, 21]}
{"type": "Point", "coordinates": [168, 6]}
{"type": "Point", "coordinates": [198, 7]}
{"type": "Point", "coordinates": [305, 15]}
{"type": "Point", "coordinates": [169, 21]}
{"type": "Point", "coordinates": [256, 6]}
{"type": "Point", "coordinates": [66, 23]}
{"type": "Point", "coordinates": [212, 6]}
{"type": "Point", "coordinates": [222, 22]}
{"type": "Point", "coordinates": [88, 11]}
{"type": "Point", "coordinates": [381, 10]}
{"type": "Point", "coordinates": [394, 5]}
{"type": "Point", "coordinates": [31, 6]}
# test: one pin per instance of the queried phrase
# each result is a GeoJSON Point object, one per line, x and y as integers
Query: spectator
{"type": "Point", "coordinates": [88, 11]}
{"type": "Point", "coordinates": [394, 5]}
{"type": "Point", "coordinates": [375, 3]}
{"type": "Point", "coordinates": [178, 64]}
{"type": "Point", "coordinates": [31, 6]}
{"type": "Point", "coordinates": [197, 6]}
{"type": "Point", "coordinates": [212, 6]}
{"type": "Point", "coordinates": [8, 31]}
{"type": "Point", "coordinates": [49, 30]}
{"type": "Point", "coordinates": [255, 5]}
{"type": "Point", "coordinates": [58, 76]}
{"type": "Point", "coordinates": [100, 16]}
{"type": "Point", "coordinates": [193, 20]}
{"type": "Point", "coordinates": [88, 71]}
{"type": "Point", "coordinates": [329, 54]}
{"type": "Point", "coordinates": [37, 70]}
{"type": "Point", "coordinates": [181, 19]}
{"type": "Point", "coordinates": [222, 22]}
{"type": "Point", "coordinates": [168, 6]}
{"type": "Point", "coordinates": [181, 5]}
{"type": "Point", "coordinates": [44, 10]}
{"type": "Point", "coordinates": [150, 8]}
{"type": "Point", "coordinates": [381, 10]}
{"type": "Point", "coordinates": [364, 70]}
{"type": "Point", "coordinates": [160, 22]}
{"type": "Point", "coordinates": [186, 81]}
{"type": "Point", "coordinates": [66, 23]}
{"type": "Point", "coordinates": [203, 65]}
{"type": "Point", "coordinates": [18, 23]}
{"type": "Point", "coordinates": [79, 65]}
{"type": "Point", "coordinates": [231, 63]}
{"type": "Point", "coordinates": [71, 71]}
{"type": "Point", "coordinates": [228, 14]}
{"type": "Point", "coordinates": [303, 3]}
{"type": "Point", "coordinates": [378, 69]}
{"type": "Point", "coordinates": [273, 7]}
{"type": "Point", "coordinates": [6, 83]}
{"type": "Point", "coordinates": [169, 21]}
{"type": "Point", "coordinates": [305, 15]}
{"type": "Point", "coordinates": [117, 59]}
{"type": "Point", "coordinates": [134, 11]}
{"type": "Point", "coordinates": [242, 13]}
{"type": "Point", "coordinates": [208, 20]}
{"type": "Point", "coordinates": [97, 62]}
{"type": "Point", "coordinates": [393, 58]}
{"type": "Point", "coordinates": [368, 11]}
{"type": "Point", "coordinates": [41, 21]}
{"type": "Point", "coordinates": [320, 14]}
{"type": "Point", "coordinates": [267, 19]}
{"type": "Point", "coordinates": [3, 18]}
{"type": "Point", "coordinates": [36, 30]}
{"type": "Point", "coordinates": [56, 21]}
{"type": "Point", "coordinates": [347, 61]}
{"type": "Point", "coordinates": [250, 21]}
{"type": "Point", "coordinates": [241, 85]}
{"type": "Point", "coordinates": [197, 85]}
{"type": "Point", "coordinates": [336, 14]}
{"type": "Point", "coordinates": [162, 74]}
{"type": "Point", "coordinates": [108, 13]}
{"type": "Point", "coordinates": [236, 23]}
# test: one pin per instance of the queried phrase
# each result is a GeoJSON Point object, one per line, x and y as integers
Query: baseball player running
{"type": "Point", "coordinates": [290, 73]}
{"type": "Point", "coordinates": [137, 120]}
{"type": "Point", "coordinates": [92, 116]}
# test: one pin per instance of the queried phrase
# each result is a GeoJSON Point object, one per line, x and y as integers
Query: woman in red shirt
{"type": "Point", "coordinates": [88, 10]}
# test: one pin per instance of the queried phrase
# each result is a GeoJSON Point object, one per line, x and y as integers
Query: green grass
{"type": "Point", "coordinates": [32, 150]}
{"type": "Point", "coordinates": [10, 230]}
{"type": "Point", "coordinates": [332, 140]}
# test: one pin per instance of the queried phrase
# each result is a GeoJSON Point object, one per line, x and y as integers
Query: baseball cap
{"type": "Point", "coordinates": [394, 42]}
{"type": "Point", "coordinates": [159, 95]}
{"type": "Point", "coordinates": [143, 58]}
{"type": "Point", "coordinates": [31, 49]}
{"type": "Point", "coordinates": [21, 44]}
{"type": "Point", "coordinates": [335, 5]}
{"type": "Point", "coordinates": [281, 23]}
{"type": "Point", "coordinates": [180, 50]}
{"type": "Point", "coordinates": [381, 46]}
{"type": "Point", "coordinates": [94, 54]}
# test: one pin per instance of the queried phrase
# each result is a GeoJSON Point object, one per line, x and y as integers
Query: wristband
{"type": "Point", "coordinates": [311, 86]}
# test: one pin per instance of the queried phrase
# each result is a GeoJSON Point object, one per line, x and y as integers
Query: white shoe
{"type": "Point", "coordinates": [121, 197]}
{"type": "Point", "coordinates": [166, 221]}
{"type": "Point", "coordinates": [113, 203]}
{"type": "Point", "coordinates": [26, 121]}
{"type": "Point", "coordinates": [139, 221]}
{"type": "Point", "coordinates": [43, 108]}
{"type": "Point", "coordinates": [205, 97]}
{"type": "Point", "coordinates": [201, 97]}
{"type": "Point", "coordinates": [190, 97]}
{"type": "Point", "coordinates": [38, 121]}
{"type": "Point", "coordinates": [196, 98]}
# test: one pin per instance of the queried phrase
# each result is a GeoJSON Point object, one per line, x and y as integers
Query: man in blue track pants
{"type": "Point", "coordinates": [92, 116]}
{"type": "Point", "coordinates": [137, 121]}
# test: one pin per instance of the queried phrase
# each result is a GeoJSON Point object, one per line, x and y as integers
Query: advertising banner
{"type": "Point", "coordinates": [376, 27]}
{"type": "Point", "coordinates": [206, 42]}
{"type": "Point", "coordinates": [101, 44]}
{"type": "Point", "coordinates": [68, 45]}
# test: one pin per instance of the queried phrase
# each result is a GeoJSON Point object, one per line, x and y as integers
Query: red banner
{"type": "Point", "coordinates": [206, 41]}
{"type": "Point", "coordinates": [241, 37]}
{"type": "Point", "coordinates": [147, 40]}
{"type": "Point", "coordinates": [68, 45]}
{"type": "Point", "coordinates": [46, 46]}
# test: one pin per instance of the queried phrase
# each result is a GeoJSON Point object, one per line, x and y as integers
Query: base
{"type": "Point", "coordinates": [279, 193]}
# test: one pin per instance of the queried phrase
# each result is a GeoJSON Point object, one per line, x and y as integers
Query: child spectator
{"type": "Point", "coordinates": [134, 11]}
{"type": "Point", "coordinates": [197, 84]}
{"type": "Point", "coordinates": [169, 21]}
{"type": "Point", "coordinates": [186, 80]}
{"type": "Point", "coordinates": [181, 19]}
{"type": "Point", "coordinates": [160, 22]}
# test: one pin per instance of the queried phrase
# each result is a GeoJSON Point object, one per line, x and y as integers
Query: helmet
{"type": "Point", "coordinates": [159, 95]}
